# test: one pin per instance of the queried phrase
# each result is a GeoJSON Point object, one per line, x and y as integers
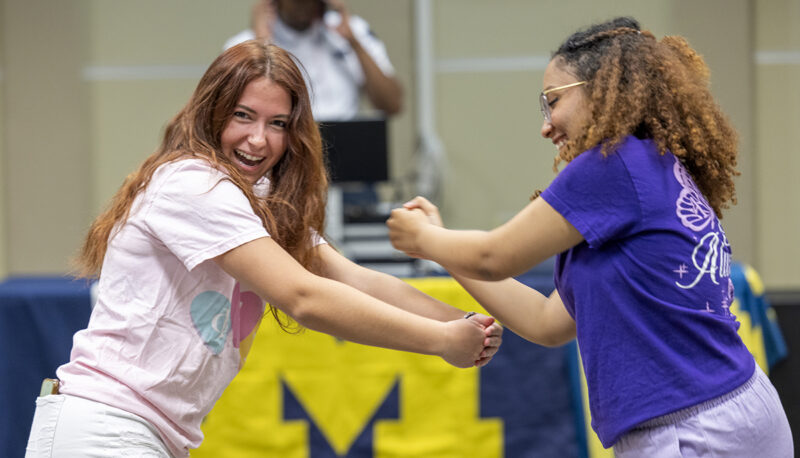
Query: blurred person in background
{"type": "Point", "coordinates": [340, 53]}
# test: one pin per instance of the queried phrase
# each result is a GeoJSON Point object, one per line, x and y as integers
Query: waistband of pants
{"type": "Point", "coordinates": [681, 415]}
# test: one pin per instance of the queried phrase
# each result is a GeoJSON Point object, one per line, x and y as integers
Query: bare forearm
{"type": "Point", "coordinates": [522, 309]}
{"type": "Point", "coordinates": [261, 19]}
{"type": "Point", "coordinates": [383, 91]}
{"type": "Point", "coordinates": [400, 294]}
{"type": "Point", "coordinates": [333, 308]}
{"type": "Point", "coordinates": [384, 287]}
{"type": "Point", "coordinates": [471, 254]}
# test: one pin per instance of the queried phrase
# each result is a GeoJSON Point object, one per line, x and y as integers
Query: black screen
{"type": "Point", "coordinates": [355, 150]}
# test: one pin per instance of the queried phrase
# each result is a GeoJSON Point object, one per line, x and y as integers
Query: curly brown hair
{"type": "Point", "coordinates": [298, 182]}
{"type": "Point", "coordinates": [652, 89]}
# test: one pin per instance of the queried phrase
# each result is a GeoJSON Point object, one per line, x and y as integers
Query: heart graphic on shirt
{"type": "Point", "coordinates": [246, 312]}
{"type": "Point", "coordinates": [211, 316]}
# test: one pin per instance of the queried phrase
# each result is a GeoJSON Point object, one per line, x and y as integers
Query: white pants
{"type": "Point", "coordinates": [69, 426]}
{"type": "Point", "coordinates": [748, 422]}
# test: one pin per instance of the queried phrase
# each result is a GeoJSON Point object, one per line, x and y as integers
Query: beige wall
{"type": "Point", "coordinates": [87, 86]}
{"type": "Point", "coordinates": [777, 132]}
{"type": "Point", "coordinates": [46, 147]}
{"type": "Point", "coordinates": [489, 119]}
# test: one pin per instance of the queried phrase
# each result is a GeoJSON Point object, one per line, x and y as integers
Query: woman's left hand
{"type": "Point", "coordinates": [494, 337]}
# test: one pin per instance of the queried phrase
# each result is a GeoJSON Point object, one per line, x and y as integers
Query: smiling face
{"type": "Point", "coordinates": [256, 136]}
{"type": "Point", "coordinates": [569, 107]}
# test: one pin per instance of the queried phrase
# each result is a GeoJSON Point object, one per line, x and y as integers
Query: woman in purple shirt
{"type": "Point", "coordinates": [642, 271]}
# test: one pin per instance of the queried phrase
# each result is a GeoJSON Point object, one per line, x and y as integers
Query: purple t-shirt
{"type": "Point", "coordinates": [649, 289]}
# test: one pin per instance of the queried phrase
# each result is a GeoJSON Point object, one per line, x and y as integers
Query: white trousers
{"type": "Point", "coordinates": [69, 427]}
{"type": "Point", "coordinates": [748, 422]}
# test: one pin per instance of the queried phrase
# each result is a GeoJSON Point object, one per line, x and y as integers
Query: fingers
{"type": "Point", "coordinates": [404, 226]}
{"type": "Point", "coordinates": [486, 355]}
{"type": "Point", "coordinates": [427, 208]}
{"type": "Point", "coordinates": [420, 202]}
{"type": "Point", "coordinates": [493, 338]}
{"type": "Point", "coordinates": [495, 330]}
{"type": "Point", "coordinates": [483, 320]}
{"type": "Point", "coordinates": [464, 343]}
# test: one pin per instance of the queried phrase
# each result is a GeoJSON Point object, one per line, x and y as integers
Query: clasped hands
{"type": "Point", "coordinates": [406, 227]}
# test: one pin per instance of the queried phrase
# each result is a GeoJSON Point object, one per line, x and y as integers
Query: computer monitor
{"type": "Point", "coordinates": [356, 150]}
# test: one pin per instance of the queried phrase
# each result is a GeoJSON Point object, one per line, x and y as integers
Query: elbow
{"type": "Point", "coordinates": [554, 342]}
{"type": "Point", "coordinates": [543, 339]}
{"type": "Point", "coordinates": [490, 259]}
{"type": "Point", "coordinates": [396, 107]}
{"type": "Point", "coordinates": [557, 338]}
{"type": "Point", "coordinates": [393, 102]}
{"type": "Point", "coordinates": [298, 304]}
{"type": "Point", "coordinates": [490, 267]}
{"type": "Point", "coordinates": [392, 107]}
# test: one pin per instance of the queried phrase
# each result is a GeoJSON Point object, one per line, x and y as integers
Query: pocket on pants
{"type": "Point", "coordinates": [43, 427]}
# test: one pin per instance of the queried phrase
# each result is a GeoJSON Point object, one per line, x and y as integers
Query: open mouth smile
{"type": "Point", "coordinates": [248, 159]}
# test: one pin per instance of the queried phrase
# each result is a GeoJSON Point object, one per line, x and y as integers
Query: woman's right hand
{"type": "Point", "coordinates": [464, 342]}
{"type": "Point", "coordinates": [405, 225]}
{"type": "Point", "coordinates": [427, 207]}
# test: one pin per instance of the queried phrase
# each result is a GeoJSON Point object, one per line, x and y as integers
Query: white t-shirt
{"type": "Point", "coordinates": [331, 67]}
{"type": "Point", "coordinates": [170, 328]}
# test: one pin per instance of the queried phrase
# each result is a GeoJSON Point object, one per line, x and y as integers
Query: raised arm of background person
{"type": "Point", "coordinates": [527, 312]}
{"type": "Point", "coordinates": [533, 235]}
{"type": "Point", "coordinates": [334, 308]}
{"type": "Point", "coordinates": [384, 92]}
{"type": "Point", "coordinates": [262, 15]}
{"type": "Point", "coordinates": [331, 264]}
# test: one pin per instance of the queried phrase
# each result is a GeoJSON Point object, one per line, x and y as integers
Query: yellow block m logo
{"type": "Point", "coordinates": [340, 386]}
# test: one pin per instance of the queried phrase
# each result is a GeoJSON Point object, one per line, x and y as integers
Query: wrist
{"type": "Point", "coordinates": [440, 344]}
{"type": "Point", "coordinates": [426, 239]}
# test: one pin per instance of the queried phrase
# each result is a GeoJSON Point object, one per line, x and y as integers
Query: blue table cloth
{"type": "Point", "coordinates": [38, 316]}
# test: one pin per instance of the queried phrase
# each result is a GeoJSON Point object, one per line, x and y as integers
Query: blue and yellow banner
{"type": "Point", "coordinates": [311, 395]}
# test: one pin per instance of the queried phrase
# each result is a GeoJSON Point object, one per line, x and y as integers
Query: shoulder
{"type": "Point", "coordinates": [633, 145]}
{"type": "Point", "coordinates": [187, 176]}
{"type": "Point", "coordinates": [629, 145]}
{"type": "Point", "coordinates": [631, 152]}
{"type": "Point", "coordinates": [642, 157]}
{"type": "Point", "coordinates": [189, 166]}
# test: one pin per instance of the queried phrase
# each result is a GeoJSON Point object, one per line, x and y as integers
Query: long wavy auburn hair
{"type": "Point", "coordinates": [298, 182]}
{"type": "Point", "coordinates": [652, 89]}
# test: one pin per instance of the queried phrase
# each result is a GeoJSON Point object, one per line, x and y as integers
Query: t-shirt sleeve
{"type": "Point", "coordinates": [597, 196]}
{"type": "Point", "coordinates": [198, 214]}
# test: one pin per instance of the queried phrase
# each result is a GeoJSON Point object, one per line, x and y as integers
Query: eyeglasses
{"type": "Point", "coordinates": [544, 104]}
